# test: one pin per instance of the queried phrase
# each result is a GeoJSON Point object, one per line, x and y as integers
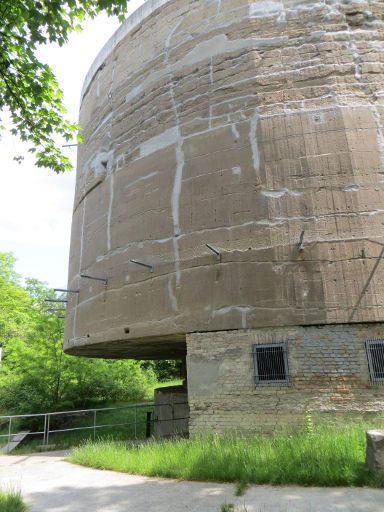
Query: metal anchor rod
{"type": "Point", "coordinates": [103, 279]}
{"type": "Point", "coordinates": [142, 264]}
{"type": "Point", "coordinates": [64, 290]}
{"type": "Point", "coordinates": [214, 250]}
{"type": "Point", "coordinates": [300, 245]}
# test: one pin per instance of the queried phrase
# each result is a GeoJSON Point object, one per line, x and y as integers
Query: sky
{"type": "Point", "coordinates": [36, 204]}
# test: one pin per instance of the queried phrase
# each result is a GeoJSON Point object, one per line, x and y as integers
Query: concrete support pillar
{"type": "Point", "coordinates": [183, 371]}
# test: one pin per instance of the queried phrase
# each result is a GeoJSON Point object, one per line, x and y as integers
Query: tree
{"type": "Point", "coordinates": [28, 88]}
{"type": "Point", "coordinates": [165, 369]}
{"type": "Point", "coordinates": [15, 303]}
{"type": "Point", "coordinates": [35, 374]}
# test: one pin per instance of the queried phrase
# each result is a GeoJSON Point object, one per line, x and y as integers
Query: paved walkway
{"type": "Point", "coordinates": [49, 484]}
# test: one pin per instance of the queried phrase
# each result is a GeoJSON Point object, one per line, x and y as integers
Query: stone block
{"type": "Point", "coordinates": [375, 451]}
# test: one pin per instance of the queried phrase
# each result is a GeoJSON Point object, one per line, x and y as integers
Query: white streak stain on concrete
{"type": "Point", "coordinates": [171, 293]}
{"type": "Point", "coordinates": [235, 131]}
{"type": "Point", "coordinates": [101, 124]}
{"type": "Point", "coordinates": [127, 247]}
{"type": "Point", "coordinates": [175, 204]}
{"type": "Point", "coordinates": [142, 178]}
{"type": "Point", "coordinates": [265, 9]}
{"type": "Point", "coordinates": [206, 50]}
{"type": "Point", "coordinates": [135, 91]}
{"type": "Point", "coordinates": [253, 142]}
{"type": "Point", "coordinates": [111, 193]}
{"type": "Point", "coordinates": [280, 193]}
{"type": "Point", "coordinates": [220, 44]}
{"type": "Point", "coordinates": [379, 136]}
{"type": "Point", "coordinates": [80, 262]}
{"type": "Point", "coordinates": [82, 235]}
{"type": "Point", "coordinates": [163, 240]}
{"type": "Point", "coordinates": [175, 201]}
{"type": "Point", "coordinates": [98, 84]}
{"type": "Point", "coordinates": [161, 141]}
{"type": "Point", "coordinates": [236, 170]}
{"type": "Point", "coordinates": [176, 191]}
{"type": "Point", "coordinates": [243, 310]}
{"type": "Point", "coordinates": [91, 299]}
{"type": "Point", "coordinates": [351, 188]}
{"type": "Point", "coordinates": [355, 54]}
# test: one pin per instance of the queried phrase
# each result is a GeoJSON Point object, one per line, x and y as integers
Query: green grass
{"type": "Point", "coordinates": [176, 382]}
{"type": "Point", "coordinates": [11, 502]}
{"type": "Point", "coordinates": [330, 456]}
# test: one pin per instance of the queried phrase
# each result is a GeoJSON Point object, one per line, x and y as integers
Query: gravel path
{"type": "Point", "coordinates": [49, 484]}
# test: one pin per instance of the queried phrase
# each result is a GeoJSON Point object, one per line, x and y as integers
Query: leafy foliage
{"type": "Point", "coordinates": [28, 88]}
{"type": "Point", "coordinates": [35, 374]}
{"type": "Point", "coordinates": [165, 370]}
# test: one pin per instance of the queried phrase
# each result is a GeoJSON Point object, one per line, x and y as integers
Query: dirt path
{"type": "Point", "coordinates": [49, 484]}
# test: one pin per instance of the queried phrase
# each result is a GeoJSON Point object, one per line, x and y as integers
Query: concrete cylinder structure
{"type": "Point", "coordinates": [231, 180]}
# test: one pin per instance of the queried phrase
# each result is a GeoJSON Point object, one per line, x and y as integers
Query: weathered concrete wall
{"type": "Point", "coordinates": [250, 126]}
{"type": "Point", "coordinates": [328, 374]}
{"type": "Point", "coordinates": [171, 411]}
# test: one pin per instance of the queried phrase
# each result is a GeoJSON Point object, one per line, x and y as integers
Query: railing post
{"type": "Point", "coordinates": [94, 425]}
{"type": "Point", "coordinates": [48, 422]}
{"type": "Point", "coordinates": [148, 424]}
{"type": "Point", "coordinates": [45, 430]}
{"type": "Point", "coordinates": [10, 429]}
{"type": "Point", "coordinates": [135, 421]}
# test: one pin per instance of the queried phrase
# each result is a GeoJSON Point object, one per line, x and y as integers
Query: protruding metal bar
{"type": "Point", "coordinates": [214, 250]}
{"type": "Point", "coordinates": [300, 245]}
{"type": "Point", "coordinates": [103, 279]}
{"type": "Point", "coordinates": [69, 145]}
{"type": "Point", "coordinates": [142, 264]}
{"type": "Point", "coordinates": [56, 300]}
{"type": "Point", "coordinates": [65, 290]}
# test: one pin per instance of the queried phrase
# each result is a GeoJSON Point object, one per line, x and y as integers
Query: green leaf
{"type": "Point", "coordinates": [28, 88]}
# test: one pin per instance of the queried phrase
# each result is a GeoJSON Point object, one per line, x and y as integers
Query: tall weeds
{"type": "Point", "coordinates": [322, 456]}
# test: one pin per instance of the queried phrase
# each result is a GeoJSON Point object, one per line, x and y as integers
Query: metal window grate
{"type": "Point", "coordinates": [270, 363]}
{"type": "Point", "coordinates": [375, 355]}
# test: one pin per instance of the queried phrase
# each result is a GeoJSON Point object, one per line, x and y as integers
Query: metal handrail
{"type": "Point", "coordinates": [47, 417]}
{"type": "Point", "coordinates": [142, 404]}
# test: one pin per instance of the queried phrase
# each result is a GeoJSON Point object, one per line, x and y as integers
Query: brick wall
{"type": "Point", "coordinates": [328, 374]}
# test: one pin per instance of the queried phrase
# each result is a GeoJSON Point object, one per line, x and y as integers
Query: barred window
{"type": "Point", "coordinates": [375, 354]}
{"type": "Point", "coordinates": [270, 363]}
